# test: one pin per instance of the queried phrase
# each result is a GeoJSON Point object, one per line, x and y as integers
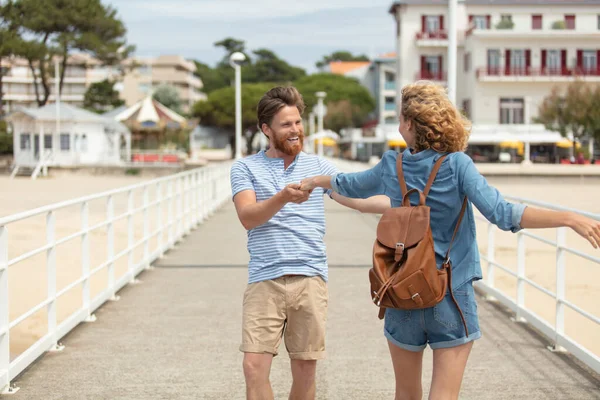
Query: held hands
{"type": "Point", "coordinates": [586, 228]}
{"type": "Point", "coordinates": [293, 194]}
{"type": "Point", "coordinates": [308, 184]}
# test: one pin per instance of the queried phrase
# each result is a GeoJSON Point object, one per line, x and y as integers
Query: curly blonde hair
{"type": "Point", "coordinates": [437, 123]}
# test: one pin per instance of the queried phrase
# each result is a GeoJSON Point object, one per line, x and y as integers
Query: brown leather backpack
{"type": "Point", "coordinates": [405, 273]}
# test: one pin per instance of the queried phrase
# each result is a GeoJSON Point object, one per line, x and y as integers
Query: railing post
{"type": "Point", "coordinates": [194, 199]}
{"type": "Point", "coordinates": [159, 224]}
{"type": "Point", "coordinates": [51, 279]}
{"type": "Point", "coordinates": [85, 260]}
{"type": "Point", "coordinates": [198, 194]}
{"type": "Point", "coordinates": [520, 276]}
{"type": "Point", "coordinates": [4, 315]}
{"type": "Point", "coordinates": [186, 205]}
{"type": "Point", "coordinates": [146, 228]}
{"type": "Point", "coordinates": [205, 193]}
{"type": "Point", "coordinates": [110, 246]}
{"type": "Point", "coordinates": [559, 328]}
{"type": "Point", "coordinates": [170, 219]}
{"type": "Point", "coordinates": [179, 203]}
{"type": "Point", "coordinates": [130, 237]}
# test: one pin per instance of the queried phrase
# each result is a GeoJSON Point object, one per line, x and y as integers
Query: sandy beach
{"type": "Point", "coordinates": [27, 280]}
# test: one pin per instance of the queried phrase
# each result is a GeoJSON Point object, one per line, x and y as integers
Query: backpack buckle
{"type": "Point", "coordinates": [399, 251]}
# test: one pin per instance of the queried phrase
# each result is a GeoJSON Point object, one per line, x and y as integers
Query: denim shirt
{"type": "Point", "coordinates": [458, 177]}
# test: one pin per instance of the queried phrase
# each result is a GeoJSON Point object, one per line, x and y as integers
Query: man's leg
{"type": "Point", "coordinates": [305, 331]}
{"type": "Point", "coordinates": [256, 371]}
{"type": "Point", "coordinates": [303, 373]}
{"type": "Point", "coordinates": [262, 328]}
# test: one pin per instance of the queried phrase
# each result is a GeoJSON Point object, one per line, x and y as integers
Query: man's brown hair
{"type": "Point", "coordinates": [274, 100]}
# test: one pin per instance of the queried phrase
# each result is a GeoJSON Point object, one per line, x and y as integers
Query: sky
{"type": "Point", "coordinates": [299, 31]}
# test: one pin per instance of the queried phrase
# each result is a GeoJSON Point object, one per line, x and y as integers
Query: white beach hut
{"type": "Point", "coordinates": [80, 138]}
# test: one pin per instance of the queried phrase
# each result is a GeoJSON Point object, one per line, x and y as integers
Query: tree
{"type": "Point", "coordinates": [55, 28]}
{"type": "Point", "coordinates": [270, 68]}
{"type": "Point", "coordinates": [231, 46]}
{"type": "Point", "coordinates": [213, 78]}
{"type": "Point", "coordinates": [6, 140]}
{"type": "Point", "coordinates": [101, 97]}
{"type": "Point", "coordinates": [168, 96]}
{"type": "Point", "coordinates": [339, 89]}
{"type": "Point", "coordinates": [340, 55]}
{"type": "Point", "coordinates": [8, 43]}
{"type": "Point", "coordinates": [577, 111]}
{"type": "Point", "coordinates": [219, 109]}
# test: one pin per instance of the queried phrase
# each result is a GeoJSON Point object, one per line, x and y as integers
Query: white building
{"type": "Point", "coordinates": [82, 138]}
{"type": "Point", "coordinates": [510, 53]}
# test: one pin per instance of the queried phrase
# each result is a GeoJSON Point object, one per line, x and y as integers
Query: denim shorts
{"type": "Point", "coordinates": [440, 325]}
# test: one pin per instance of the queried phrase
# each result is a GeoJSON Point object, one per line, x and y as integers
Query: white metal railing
{"type": "Point", "coordinates": [555, 333]}
{"type": "Point", "coordinates": [190, 197]}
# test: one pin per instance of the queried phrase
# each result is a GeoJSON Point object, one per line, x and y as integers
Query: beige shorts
{"type": "Point", "coordinates": [293, 307]}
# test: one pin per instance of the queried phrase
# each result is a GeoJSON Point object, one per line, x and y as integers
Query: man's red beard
{"type": "Point", "coordinates": [291, 148]}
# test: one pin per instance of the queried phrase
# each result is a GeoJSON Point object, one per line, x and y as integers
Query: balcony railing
{"type": "Point", "coordinates": [437, 35]}
{"type": "Point", "coordinates": [529, 71]}
{"type": "Point", "coordinates": [430, 76]}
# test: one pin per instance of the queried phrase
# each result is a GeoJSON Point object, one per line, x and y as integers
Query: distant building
{"type": "Point", "coordinates": [84, 138]}
{"type": "Point", "coordinates": [141, 76]}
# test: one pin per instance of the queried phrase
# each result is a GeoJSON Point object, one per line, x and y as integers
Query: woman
{"type": "Point", "coordinates": [433, 127]}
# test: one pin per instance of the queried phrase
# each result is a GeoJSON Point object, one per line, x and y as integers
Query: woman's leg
{"type": "Point", "coordinates": [407, 369]}
{"type": "Point", "coordinates": [448, 369]}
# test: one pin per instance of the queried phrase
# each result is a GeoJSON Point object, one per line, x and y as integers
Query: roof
{"type": "Point", "coordinates": [343, 67]}
{"type": "Point", "coordinates": [499, 2]}
{"type": "Point", "coordinates": [68, 113]}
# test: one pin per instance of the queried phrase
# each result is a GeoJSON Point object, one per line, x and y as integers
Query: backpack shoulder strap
{"type": "Point", "coordinates": [400, 173]}
{"type": "Point", "coordinates": [434, 171]}
{"type": "Point", "coordinates": [460, 217]}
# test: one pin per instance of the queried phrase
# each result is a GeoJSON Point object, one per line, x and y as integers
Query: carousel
{"type": "Point", "coordinates": [150, 123]}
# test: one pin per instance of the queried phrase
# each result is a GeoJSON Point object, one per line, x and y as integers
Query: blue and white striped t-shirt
{"type": "Point", "coordinates": [292, 241]}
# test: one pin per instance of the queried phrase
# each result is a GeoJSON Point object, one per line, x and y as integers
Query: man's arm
{"type": "Point", "coordinates": [373, 205]}
{"type": "Point", "coordinates": [252, 213]}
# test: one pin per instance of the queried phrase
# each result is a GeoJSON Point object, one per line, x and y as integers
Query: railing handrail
{"type": "Point", "coordinates": [553, 207]}
{"type": "Point", "coordinates": [188, 198]}
{"type": "Point", "coordinates": [67, 203]}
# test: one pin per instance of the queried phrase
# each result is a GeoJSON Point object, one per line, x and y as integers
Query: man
{"type": "Point", "coordinates": [287, 293]}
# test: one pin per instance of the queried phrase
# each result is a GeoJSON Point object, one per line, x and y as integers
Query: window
{"type": "Point", "coordinates": [65, 142]}
{"type": "Point", "coordinates": [48, 141]}
{"type": "Point", "coordinates": [467, 62]}
{"type": "Point", "coordinates": [25, 141]}
{"type": "Point", "coordinates": [466, 108]}
{"type": "Point", "coordinates": [590, 60]}
{"type": "Point", "coordinates": [511, 111]}
{"type": "Point", "coordinates": [536, 21]}
{"type": "Point", "coordinates": [598, 23]}
{"type": "Point", "coordinates": [432, 65]}
{"type": "Point", "coordinates": [481, 21]}
{"type": "Point", "coordinates": [84, 143]}
{"type": "Point", "coordinates": [432, 24]}
{"type": "Point", "coordinates": [570, 21]}
{"type": "Point", "coordinates": [517, 60]}
{"type": "Point", "coordinates": [493, 61]}
{"type": "Point", "coordinates": [506, 18]}
{"type": "Point", "coordinates": [145, 69]}
{"type": "Point", "coordinates": [553, 60]}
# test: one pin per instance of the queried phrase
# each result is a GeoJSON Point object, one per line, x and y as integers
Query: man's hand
{"type": "Point", "coordinates": [308, 184]}
{"type": "Point", "coordinates": [292, 194]}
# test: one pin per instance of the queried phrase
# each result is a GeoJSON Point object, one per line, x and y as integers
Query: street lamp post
{"type": "Point", "coordinates": [320, 97]}
{"type": "Point", "coordinates": [236, 60]}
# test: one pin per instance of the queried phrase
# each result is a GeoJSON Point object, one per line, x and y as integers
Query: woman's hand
{"type": "Point", "coordinates": [587, 228]}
